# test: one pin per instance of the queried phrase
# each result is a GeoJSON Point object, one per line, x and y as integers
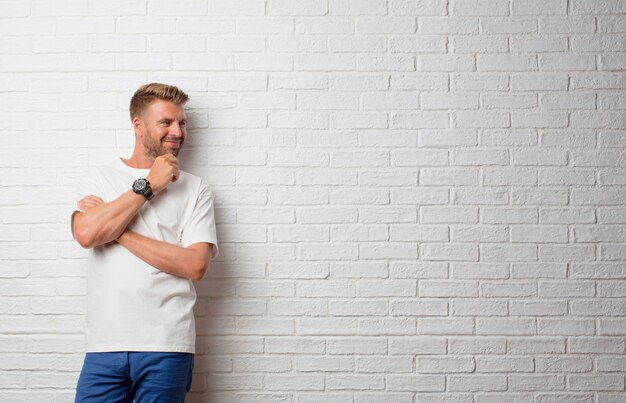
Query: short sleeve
{"type": "Point", "coordinates": [201, 225]}
{"type": "Point", "coordinates": [88, 184]}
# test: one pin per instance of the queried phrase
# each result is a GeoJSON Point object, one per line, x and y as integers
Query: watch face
{"type": "Point", "coordinates": [140, 185]}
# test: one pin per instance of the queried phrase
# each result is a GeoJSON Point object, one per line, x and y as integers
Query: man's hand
{"type": "Point", "coordinates": [164, 170]}
{"type": "Point", "coordinates": [89, 202]}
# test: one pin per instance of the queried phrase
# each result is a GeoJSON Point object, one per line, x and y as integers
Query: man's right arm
{"type": "Point", "coordinates": [106, 221]}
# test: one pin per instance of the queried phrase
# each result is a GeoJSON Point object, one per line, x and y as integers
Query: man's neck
{"type": "Point", "coordinates": [138, 160]}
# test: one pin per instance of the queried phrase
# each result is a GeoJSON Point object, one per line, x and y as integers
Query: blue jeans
{"type": "Point", "coordinates": [142, 376]}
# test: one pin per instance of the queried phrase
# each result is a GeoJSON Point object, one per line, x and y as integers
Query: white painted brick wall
{"type": "Point", "coordinates": [417, 201]}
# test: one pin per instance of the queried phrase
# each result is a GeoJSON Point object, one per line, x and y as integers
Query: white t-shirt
{"type": "Point", "coordinates": [131, 305]}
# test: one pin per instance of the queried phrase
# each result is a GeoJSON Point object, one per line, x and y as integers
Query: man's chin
{"type": "Point", "coordinates": [173, 151]}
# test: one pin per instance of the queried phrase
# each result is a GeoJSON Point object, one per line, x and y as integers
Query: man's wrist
{"type": "Point", "coordinates": [142, 186]}
{"type": "Point", "coordinates": [123, 236]}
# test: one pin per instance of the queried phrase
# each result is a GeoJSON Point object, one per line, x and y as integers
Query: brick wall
{"type": "Point", "coordinates": [417, 201]}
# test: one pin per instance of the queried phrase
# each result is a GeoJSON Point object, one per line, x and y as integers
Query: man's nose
{"type": "Point", "coordinates": [176, 129]}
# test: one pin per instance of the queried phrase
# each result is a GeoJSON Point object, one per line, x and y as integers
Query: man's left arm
{"type": "Point", "coordinates": [191, 262]}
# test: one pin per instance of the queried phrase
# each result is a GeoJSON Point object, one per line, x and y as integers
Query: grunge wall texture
{"type": "Point", "coordinates": [417, 201]}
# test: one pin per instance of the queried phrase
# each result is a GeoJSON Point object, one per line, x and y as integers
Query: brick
{"type": "Point", "coordinates": [537, 382]}
{"type": "Point", "coordinates": [508, 25]}
{"type": "Point", "coordinates": [360, 233]}
{"type": "Point", "coordinates": [504, 364]}
{"type": "Point", "coordinates": [420, 120]}
{"type": "Point", "coordinates": [361, 44]}
{"type": "Point", "coordinates": [444, 364]}
{"type": "Point", "coordinates": [416, 383]}
{"type": "Point", "coordinates": [384, 364]}
{"type": "Point", "coordinates": [386, 63]}
{"type": "Point", "coordinates": [426, 7]}
{"type": "Point", "coordinates": [536, 345]}
{"type": "Point", "coordinates": [355, 382]}
{"type": "Point", "coordinates": [450, 63]}
{"type": "Point", "coordinates": [264, 25]}
{"type": "Point", "coordinates": [357, 345]}
{"type": "Point", "coordinates": [480, 44]}
{"type": "Point", "coordinates": [480, 8]}
{"type": "Point", "coordinates": [509, 397]}
{"type": "Point", "coordinates": [358, 308]}
{"type": "Point", "coordinates": [294, 382]}
{"type": "Point", "coordinates": [505, 326]}
{"type": "Point", "coordinates": [474, 383]}
{"type": "Point", "coordinates": [324, 364]}
{"type": "Point", "coordinates": [389, 101]}
{"type": "Point", "coordinates": [535, 7]}
{"type": "Point", "coordinates": [326, 101]}
{"type": "Point", "coordinates": [422, 307]}
{"type": "Point", "coordinates": [508, 289]}
{"type": "Point", "coordinates": [598, 7]}
{"type": "Point", "coordinates": [538, 81]}
{"type": "Point", "coordinates": [418, 233]}
{"type": "Point", "coordinates": [485, 119]}
{"type": "Point", "coordinates": [326, 25]}
{"type": "Point", "coordinates": [480, 271]}
{"type": "Point", "coordinates": [163, 7]}
{"type": "Point", "coordinates": [420, 81]}
{"type": "Point", "coordinates": [596, 382]}
{"type": "Point", "coordinates": [563, 364]}
{"type": "Point", "coordinates": [352, 82]}
{"type": "Point", "coordinates": [537, 308]}
{"type": "Point", "coordinates": [430, 215]}
{"type": "Point", "coordinates": [352, 7]}
{"type": "Point", "coordinates": [611, 23]}
{"type": "Point", "coordinates": [447, 25]}
{"type": "Point", "coordinates": [477, 345]}
{"type": "Point", "coordinates": [603, 345]}
{"type": "Point", "coordinates": [282, 7]}
{"type": "Point", "coordinates": [569, 25]}
{"type": "Point", "coordinates": [447, 101]}
{"type": "Point", "coordinates": [446, 326]}
{"type": "Point", "coordinates": [326, 326]}
{"type": "Point", "coordinates": [382, 326]}
{"type": "Point", "coordinates": [474, 307]}
{"type": "Point", "coordinates": [423, 270]}
{"type": "Point", "coordinates": [385, 25]}
{"type": "Point", "coordinates": [261, 364]}
{"type": "Point", "coordinates": [561, 62]}
{"type": "Point", "coordinates": [559, 397]}
{"type": "Point", "coordinates": [422, 44]}
{"type": "Point", "coordinates": [610, 364]}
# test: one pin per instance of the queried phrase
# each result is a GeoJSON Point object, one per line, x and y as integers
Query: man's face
{"type": "Point", "coordinates": [165, 128]}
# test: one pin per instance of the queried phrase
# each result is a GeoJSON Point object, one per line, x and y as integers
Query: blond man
{"type": "Point", "coordinates": [150, 229]}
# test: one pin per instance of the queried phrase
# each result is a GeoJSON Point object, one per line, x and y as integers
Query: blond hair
{"type": "Point", "coordinates": [148, 93]}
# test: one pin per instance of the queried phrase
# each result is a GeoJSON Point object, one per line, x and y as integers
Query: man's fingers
{"type": "Point", "coordinates": [92, 199]}
{"type": "Point", "coordinates": [88, 202]}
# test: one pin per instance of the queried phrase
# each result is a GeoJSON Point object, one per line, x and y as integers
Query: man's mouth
{"type": "Point", "coordinates": [173, 143]}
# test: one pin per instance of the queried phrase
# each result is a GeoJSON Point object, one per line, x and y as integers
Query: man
{"type": "Point", "coordinates": [151, 231]}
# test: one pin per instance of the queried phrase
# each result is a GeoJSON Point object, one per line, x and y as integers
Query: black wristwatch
{"type": "Point", "coordinates": [142, 187]}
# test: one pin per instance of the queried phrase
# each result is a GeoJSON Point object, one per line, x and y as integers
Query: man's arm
{"type": "Point", "coordinates": [105, 222]}
{"type": "Point", "coordinates": [191, 262]}
{"type": "Point", "coordinates": [102, 222]}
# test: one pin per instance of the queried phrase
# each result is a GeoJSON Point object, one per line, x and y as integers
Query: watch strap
{"type": "Point", "coordinates": [148, 193]}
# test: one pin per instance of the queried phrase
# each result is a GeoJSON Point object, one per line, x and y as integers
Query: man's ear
{"type": "Point", "coordinates": [138, 125]}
